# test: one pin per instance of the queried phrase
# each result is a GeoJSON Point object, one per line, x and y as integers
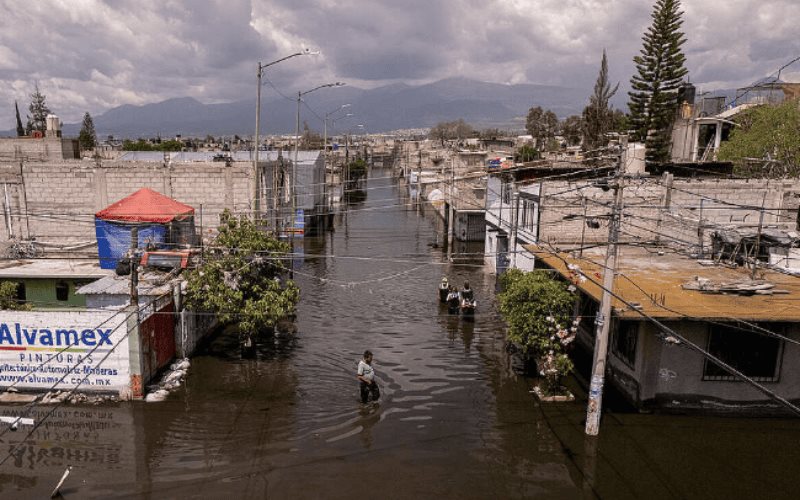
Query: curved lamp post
{"type": "Point", "coordinates": [256, 177]}
{"type": "Point", "coordinates": [325, 131]}
{"type": "Point", "coordinates": [297, 144]}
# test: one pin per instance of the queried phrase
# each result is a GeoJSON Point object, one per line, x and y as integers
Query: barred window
{"type": "Point", "coordinates": [755, 355]}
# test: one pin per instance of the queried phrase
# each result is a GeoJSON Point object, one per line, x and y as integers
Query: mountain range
{"type": "Point", "coordinates": [391, 107]}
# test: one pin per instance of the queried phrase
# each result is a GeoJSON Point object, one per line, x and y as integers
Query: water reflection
{"type": "Point", "coordinates": [454, 419]}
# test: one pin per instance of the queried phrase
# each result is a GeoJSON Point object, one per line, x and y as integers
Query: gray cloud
{"type": "Point", "coordinates": [90, 55]}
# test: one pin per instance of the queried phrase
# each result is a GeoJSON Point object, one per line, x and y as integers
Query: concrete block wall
{"type": "Point", "coordinates": [697, 208]}
{"type": "Point", "coordinates": [56, 201]}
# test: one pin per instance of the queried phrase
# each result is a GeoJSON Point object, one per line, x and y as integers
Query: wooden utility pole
{"type": "Point", "coordinates": [603, 320]}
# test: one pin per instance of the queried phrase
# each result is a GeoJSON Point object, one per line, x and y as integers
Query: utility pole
{"type": "Point", "coordinates": [757, 249]}
{"type": "Point", "coordinates": [256, 194]}
{"type": "Point", "coordinates": [134, 267]}
{"type": "Point", "coordinates": [603, 320]}
{"type": "Point", "coordinates": [256, 172]}
{"type": "Point", "coordinates": [514, 225]}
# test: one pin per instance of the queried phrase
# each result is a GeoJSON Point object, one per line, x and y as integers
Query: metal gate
{"type": "Point", "coordinates": [157, 334]}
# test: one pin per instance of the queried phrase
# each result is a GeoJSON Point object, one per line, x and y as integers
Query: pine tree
{"type": "Point", "coordinates": [660, 71]}
{"type": "Point", "coordinates": [87, 137]}
{"type": "Point", "coordinates": [598, 116]}
{"type": "Point", "coordinates": [37, 120]}
{"type": "Point", "coordinates": [20, 128]}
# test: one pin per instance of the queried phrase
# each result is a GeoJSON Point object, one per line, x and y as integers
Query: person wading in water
{"type": "Point", "coordinates": [366, 375]}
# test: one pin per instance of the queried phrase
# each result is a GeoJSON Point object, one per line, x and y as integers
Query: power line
{"type": "Point", "coordinates": [665, 329]}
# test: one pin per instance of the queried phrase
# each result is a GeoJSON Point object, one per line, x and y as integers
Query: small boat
{"type": "Point", "coordinates": [444, 290]}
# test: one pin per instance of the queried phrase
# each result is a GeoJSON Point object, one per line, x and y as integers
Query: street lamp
{"type": "Point", "coordinates": [334, 120]}
{"type": "Point", "coordinates": [256, 176]}
{"type": "Point", "coordinates": [297, 144]}
{"type": "Point", "coordinates": [347, 151]}
{"type": "Point", "coordinates": [325, 142]}
{"type": "Point", "coordinates": [325, 133]}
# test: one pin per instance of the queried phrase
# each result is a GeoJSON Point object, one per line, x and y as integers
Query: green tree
{"type": "Point", "coordinates": [597, 116]}
{"type": "Point", "coordinates": [533, 123]}
{"type": "Point", "coordinates": [170, 145]}
{"type": "Point", "coordinates": [8, 298]}
{"type": "Point", "coordinates": [37, 119]}
{"type": "Point", "coordinates": [542, 125]}
{"type": "Point", "coordinates": [20, 128]}
{"type": "Point", "coordinates": [357, 169]}
{"type": "Point", "coordinates": [137, 145]}
{"type": "Point", "coordinates": [240, 279]}
{"type": "Point", "coordinates": [659, 72]}
{"type": "Point", "coordinates": [620, 121]}
{"type": "Point", "coordinates": [572, 130]}
{"type": "Point", "coordinates": [538, 311]}
{"type": "Point", "coordinates": [143, 145]}
{"type": "Point", "coordinates": [310, 139]}
{"type": "Point", "coordinates": [525, 153]}
{"type": "Point", "coordinates": [766, 142]}
{"type": "Point", "coordinates": [447, 131]}
{"type": "Point", "coordinates": [87, 137]}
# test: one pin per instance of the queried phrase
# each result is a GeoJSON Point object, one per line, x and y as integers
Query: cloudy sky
{"type": "Point", "coordinates": [91, 55]}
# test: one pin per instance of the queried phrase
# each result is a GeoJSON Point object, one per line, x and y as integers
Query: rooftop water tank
{"type": "Point", "coordinates": [53, 126]}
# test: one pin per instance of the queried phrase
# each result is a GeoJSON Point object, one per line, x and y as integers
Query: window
{"type": "Point", "coordinates": [753, 354]}
{"type": "Point", "coordinates": [624, 345]}
{"type": "Point", "coordinates": [527, 216]}
{"type": "Point", "coordinates": [21, 292]}
{"type": "Point", "coordinates": [62, 291]}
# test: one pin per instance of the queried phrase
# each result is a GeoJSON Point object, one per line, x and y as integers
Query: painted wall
{"type": "Point", "coordinates": [41, 293]}
{"type": "Point", "coordinates": [39, 348]}
{"type": "Point", "coordinates": [670, 376]}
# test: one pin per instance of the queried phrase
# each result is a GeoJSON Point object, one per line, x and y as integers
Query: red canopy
{"type": "Point", "coordinates": [145, 205]}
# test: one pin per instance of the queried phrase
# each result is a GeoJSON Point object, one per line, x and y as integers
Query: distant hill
{"type": "Point", "coordinates": [386, 108]}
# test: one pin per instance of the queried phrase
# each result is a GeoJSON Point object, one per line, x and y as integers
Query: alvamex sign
{"type": "Point", "coordinates": [44, 350]}
{"type": "Point", "coordinates": [14, 337]}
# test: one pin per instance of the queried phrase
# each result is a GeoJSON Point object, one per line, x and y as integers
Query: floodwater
{"type": "Point", "coordinates": [454, 420]}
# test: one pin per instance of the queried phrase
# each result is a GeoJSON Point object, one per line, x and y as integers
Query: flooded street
{"type": "Point", "coordinates": [454, 420]}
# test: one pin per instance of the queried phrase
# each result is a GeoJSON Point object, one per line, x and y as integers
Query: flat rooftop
{"type": "Point", "coordinates": [656, 282]}
{"type": "Point", "coordinates": [151, 283]}
{"type": "Point", "coordinates": [52, 268]}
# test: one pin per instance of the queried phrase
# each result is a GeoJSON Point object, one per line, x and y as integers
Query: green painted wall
{"type": "Point", "coordinates": [41, 293]}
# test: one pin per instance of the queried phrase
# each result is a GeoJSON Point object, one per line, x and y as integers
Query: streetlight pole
{"type": "Point", "coordinates": [256, 177]}
{"type": "Point", "coordinates": [325, 133]}
{"type": "Point", "coordinates": [329, 203]}
{"type": "Point", "coordinates": [296, 147]}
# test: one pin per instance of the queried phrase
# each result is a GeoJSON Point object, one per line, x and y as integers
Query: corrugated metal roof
{"type": "Point", "coordinates": [150, 284]}
{"type": "Point", "coordinates": [647, 278]}
{"type": "Point", "coordinates": [51, 268]}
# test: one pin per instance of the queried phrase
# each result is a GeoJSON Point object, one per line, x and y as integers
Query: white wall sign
{"type": "Point", "coordinates": [39, 348]}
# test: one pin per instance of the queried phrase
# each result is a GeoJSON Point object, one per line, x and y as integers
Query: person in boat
{"type": "Point", "coordinates": [366, 377]}
{"type": "Point", "coordinates": [466, 293]}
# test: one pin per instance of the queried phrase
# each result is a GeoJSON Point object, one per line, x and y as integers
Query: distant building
{"type": "Point", "coordinates": [37, 147]}
{"type": "Point", "coordinates": [703, 125]}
